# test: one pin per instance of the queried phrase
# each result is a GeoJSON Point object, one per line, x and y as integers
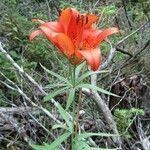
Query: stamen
{"type": "Point", "coordinates": [82, 20]}
{"type": "Point", "coordinates": [59, 12]}
{"type": "Point", "coordinates": [87, 19]}
{"type": "Point", "coordinates": [77, 19]}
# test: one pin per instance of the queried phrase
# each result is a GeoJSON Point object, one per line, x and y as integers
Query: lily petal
{"type": "Point", "coordinates": [33, 34]}
{"type": "Point", "coordinates": [65, 45]}
{"type": "Point", "coordinates": [89, 36]}
{"type": "Point", "coordinates": [104, 34]}
{"type": "Point", "coordinates": [54, 26]}
{"type": "Point", "coordinates": [90, 19]}
{"type": "Point", "coordinates": [91, 33]}
{"type": "Point", "coordinates": [50, 34]}
{"type": "Point", "coordinates": [93, 57]}
{"type": "Point", "coordinates": [75, 25]}
{"type": "Point", "coordinates": [64, 18]}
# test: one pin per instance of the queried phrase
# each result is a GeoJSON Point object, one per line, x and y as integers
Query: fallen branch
{"type": "Point", "coordinates": [125, 38]}
{"type": "Point", "coordinates": [20, 130]}
{"type": "Point", "coordinates": [21, 70]}
{"type": "Point", "coordinates": [102, 106]}
{"type": "Point", "coordinates": [18, 110]}
{"type": "Point", "coordinates": [129, 60]}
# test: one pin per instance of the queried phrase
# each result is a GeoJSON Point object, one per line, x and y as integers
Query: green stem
{"type": "Point", "coordinates": [72, 137]}
{"type": "Point", "coordinates": [74, 110]}
{"type": "Point", "coordinates": [78, 111]}
{"type": "Point", "coordinates": [74, 76]}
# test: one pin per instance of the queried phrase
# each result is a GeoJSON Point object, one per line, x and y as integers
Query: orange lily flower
{"type": "Point", "coordinates": [74, 36]}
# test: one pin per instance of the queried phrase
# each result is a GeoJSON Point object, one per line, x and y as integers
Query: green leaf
{"type": "Point", "coordinates": [55, 85]}
{"type": "Point", "coordinates": [15, 29]}
{"type": "Point", "coordinates": [89, 86]}
{"type": "Point", "coordinates": [78, 69]}
{"type": "Point", "coordinates": [93, 148]}
{"type": "Point", "coordinates": [39, 147]}
{"type": "Point", "coordinates": [61, 78]}
{"type": "Point", "coordinates": [86, 135]}
{"type": "Point", "coordinates": [14, 54]}
{"type": "Point", "coordinates": [90, 73]}
{"type": "Point", "coordinates": [80, 145]}
{"type": "Point", "coordinates": [54, 144]}
{"type": "Point", "coordinates": [65, 116]}
{"type": "Point", "coordinates": [62, 126]}
{"type": "Point", "coordinates": [70, 98]}
{"type": "Point", "coordinates": [54, 93]}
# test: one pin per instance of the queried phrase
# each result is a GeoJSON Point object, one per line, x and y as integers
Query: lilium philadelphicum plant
{"type": "Point", "coordinates": [74, 36]}
{"type": "Point", "coordinates": [77, 40]}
